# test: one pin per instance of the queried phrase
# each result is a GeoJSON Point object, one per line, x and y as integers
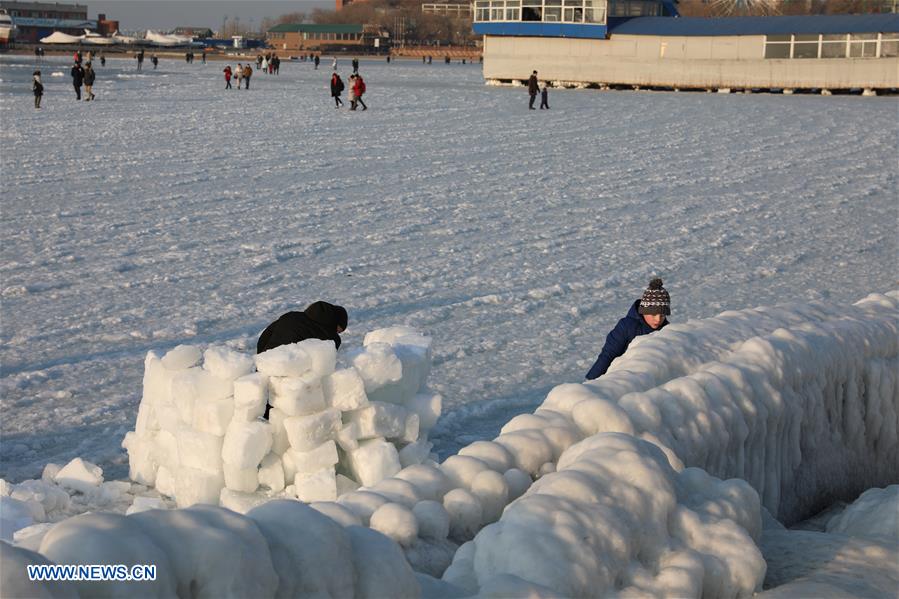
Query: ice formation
{"type": "Point", "coordinates": [649, 481]}
{"type": "Point", "coordinates": [199, 438]}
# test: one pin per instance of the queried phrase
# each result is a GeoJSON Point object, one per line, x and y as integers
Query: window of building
{"type": "Point", "coordinates": [889, 45]}
{"type": "Point", "coordinates": [549, 11]}
{"type": "Point", "coordinates": [778, 46]}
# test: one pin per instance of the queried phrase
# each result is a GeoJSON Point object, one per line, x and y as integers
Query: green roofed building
{"type": "Point", "coordinates": [308, 36]}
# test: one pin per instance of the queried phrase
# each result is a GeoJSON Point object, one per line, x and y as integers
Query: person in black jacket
{"type": "Point", "coordinates": [77, 79]}
{"type": "Point", "coordinates": [646, 315]}
{"type": "Point", "coordinates": [320, 320]}
{"type": "Point", "coordinates": [336, 89]}
{"type": "Point", "coordinates": [38, 88]}
{"type": "Point", "coordinates": [533, 88]}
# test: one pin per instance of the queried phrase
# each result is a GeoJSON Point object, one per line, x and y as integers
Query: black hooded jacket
{"type": "Point", "coordinates": [319, 321]}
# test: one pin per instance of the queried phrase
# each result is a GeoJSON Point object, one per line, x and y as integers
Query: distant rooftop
{"type": "Point", "coordinates": [699, 26]}
{"type": "Point", "coordinates": [315, 28]}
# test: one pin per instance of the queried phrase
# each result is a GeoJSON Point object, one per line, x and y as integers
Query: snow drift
{"type": "Point", "coordinates": [792, 406]}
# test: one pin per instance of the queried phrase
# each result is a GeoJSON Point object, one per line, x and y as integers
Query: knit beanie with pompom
{"type": "Point", "coordinates": [655, 299]}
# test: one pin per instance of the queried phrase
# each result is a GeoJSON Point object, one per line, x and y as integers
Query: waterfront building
{"type": "Point", "coordinates": [644, 43]}
{"type": "Point", "coordinates": [318, 37]}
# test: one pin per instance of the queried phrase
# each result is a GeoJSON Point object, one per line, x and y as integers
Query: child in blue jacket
{"type": "Point", "coordinates": [646, 315]}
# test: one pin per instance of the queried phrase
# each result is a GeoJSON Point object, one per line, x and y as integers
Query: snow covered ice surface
{"type": "Point", "coordinates": [173, 213]}
{"type": "Point", "coordinates": [170, 211]}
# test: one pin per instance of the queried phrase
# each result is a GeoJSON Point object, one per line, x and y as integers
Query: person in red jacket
{"type": "Point", "coordinates": [358, 90]}
{"type": "Point", "coordinates": [227, 72]}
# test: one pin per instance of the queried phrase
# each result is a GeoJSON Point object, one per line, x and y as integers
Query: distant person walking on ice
{"type": "Point", "coordinates": [227, 72]}
{"type": "Point", "coordinates": [336, 88]}
{"type": "Point", "coordinates": [77, 79]}
{"type": "Point", "coordinates": [544, 97]}
{"type": "Point", "coordinates": [320, 320]}
{"type": "Point", "coordinates": [316, 60]}
{"type": "Point", "coordinates": [38, 88]}
{"type": "Point", "coordinates": [533, 88]}
{"type": "Point", "coordinates": [355, 65]}
{"type": "Point", "coordinates": [646, 315]}
{"type": "Point", "coordinates": [358, 90]}
{"type": "Point", "coordinates": [247, 73]}
{"type": "Point", "coordinates": [154, 59]}
{"type": "Point", "coordinates": [89, 77]}
{"type": "Point", "coordinates": [334, 64]}
{"type": "Point", "coordinates": [238, 74]}
{"type": "Point", "coordinates": [140, 61]}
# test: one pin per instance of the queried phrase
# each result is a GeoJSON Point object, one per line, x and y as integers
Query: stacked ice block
{"type": "Point", "coordinates": [200, 436]}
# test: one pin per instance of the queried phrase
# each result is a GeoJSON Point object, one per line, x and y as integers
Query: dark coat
{"type": "Point", "coordinates": [621, 336]}
{"type": "Point", "coordinates": [336, 86]}
{"type": "Point", "coordinates": [37, 87]}
{"type": "Point", "coordinates": [318, 321]}
{"type": "Point", "coordinates": [533, 86]}
{"type": "Point", "coordinates": [77, 75]}
{"type": "Point", "coordinates": [89, 76]}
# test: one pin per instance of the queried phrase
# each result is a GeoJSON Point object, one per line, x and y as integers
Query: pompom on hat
{"type": "Point", "coordinates": [655, 299]}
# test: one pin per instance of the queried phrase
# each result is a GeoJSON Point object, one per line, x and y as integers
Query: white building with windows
{"type": "Point", "coordinates": [644, 43]}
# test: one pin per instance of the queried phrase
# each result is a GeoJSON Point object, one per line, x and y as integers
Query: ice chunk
{"type": "Point", "coordinates": [378, 365]}
{"type": "Point", "coordinates": [322, 354]}
{"type": "Point", "coordinates": [250, 396]}
{"type": "Point", "coordinates": [49, 473]}
{"type": "Point", "coordinates": [14, 515]}
{"type": "Point", "coordinates": [29, 538]}
{"type": "Point", "coordinates": [307, 462]}
{"type": "Point", "coordinates": [461, 470]}
{"type": "Point", "coordinates": [244, 480]}
{"type": "Point", "coordinates": [311, 552]}
{"type": "Point", "coordinates": [246, 443]}
{"type": "Point", "coordinates": [347, 437]}
{"type": "Point", "coordinates": [157, 388]}
{"type": "Point", "coordinates": [398, 490]}
{"type": "Point", "coordinates": [142, 504]}
{"type": "Point", "coordinates": [397, 522]}
{"type": "Point", "coordinates": [200, 451]}
{"type": "Point", "coordinates": [141, 463]}
{"type": "Point", "coordinates": [345, 484]}
{"type": "Point", "coordinates": [165, 481]}
{"type": "Point", "coordinates": [398, 335]}
{"type": "Point", "coordinates": [373, 461]}
{"type": "Point", "coordinates": [410, 431]}
{"type": "Point", "coordinates": [427, 406]}
{"type": "Point", "coordinates": [433, 520]}
{"type": "Point", "coordinates": [213, 416]}
{"type": "Point", "coordinates": [493, 454]}
{"type": "Point", "coordinates": [339, 513]}
{"type": "Point", "coordinates": [530, 448]}
{"type": "Point", "coordinates": [308, 432]}
{"type": "Point", "coordinates": [80, 475]}
{"type": "Point", "coordinates": [280, 442]}
{"type": "Point", "coordinates": [147, 423]}
{"type": "Point", "coordinates": [48, 494]}
{"type": "Point", "coordinates": [378, 419]}
{"type": "Point", "coordinates": [429, 481]}
{"type": "Point", "coordinates": [362, 503]}
{"type": "Point", "coordinates": [290, 468]}
{"type": "Point", "coordinates": [271, 473]}
{"type": "Point", "coordinates": [518, 481]}
{"type": "Point", "coordinates": [875, 515]}
{"type": "Point", "coordinates": [240, 502]}
{"type": "Point", "coordinates": [415, 453]}
{"type": "Point", "coordinates": [197, 486]}
{"type": "Point", "coordinates": [345, 390]}
{"type": "Point", "coordinates": [182, 357]}
{"type": "Point", "coordinates": [296, 396]}
{"type": "Point", "coordinates": [374, 554]}
{"type": "Point", "coordinates": [195, 385]}
{"type": "Point", "coordinates": [316, 486]}
{"type": "Point", "coordinates": [227, 364]}
{"type": "Point", "coordinates": [466, 514]}
{"type": "Point", "coordinates": [493, 492]}
{"type": "Point", "coordinates": [290, 360]}
{"type": "Point", "coordinates": [165, 450]}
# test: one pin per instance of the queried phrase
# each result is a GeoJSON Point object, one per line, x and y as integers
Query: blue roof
{"type": "Point", "coordinates": [699, 26]}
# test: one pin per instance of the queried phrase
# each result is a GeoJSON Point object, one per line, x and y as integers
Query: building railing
{"type": "Point", "coordinates": [853, 45]}
{"type": "Point", "coordinates": [546, 11]}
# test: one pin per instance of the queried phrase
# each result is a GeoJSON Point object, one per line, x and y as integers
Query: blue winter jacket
{"type": "Point", "coordinates": [621, 336]}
